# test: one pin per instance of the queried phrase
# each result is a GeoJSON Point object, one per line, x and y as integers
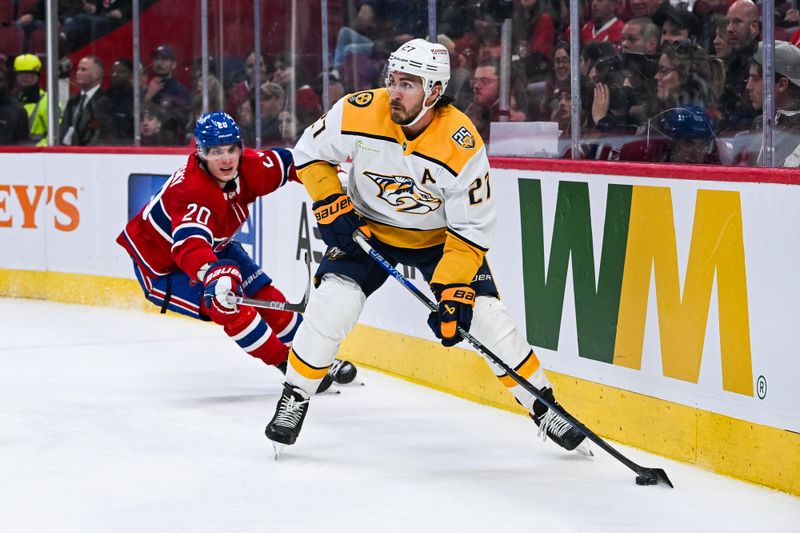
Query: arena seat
{"type": "Point", "coordinates": [11, 40]}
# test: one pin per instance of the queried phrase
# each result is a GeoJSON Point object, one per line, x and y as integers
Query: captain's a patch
{"type": "Point", "coordinates": [464, 138]}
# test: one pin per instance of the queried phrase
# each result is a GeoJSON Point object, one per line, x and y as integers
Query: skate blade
{"type": "Point", "coordinates": [278, 449]}
{"type": "Point", "coordinates": [584, 448]}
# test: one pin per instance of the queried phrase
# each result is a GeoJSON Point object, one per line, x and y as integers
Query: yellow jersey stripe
{"type": "Point", "coordinates": [305, 369]}
{"type": "Point", "coordinates": [459, 263]}
{"type": "Point", "coordinates": [525, 369]}
{"type": "Point", "coordinates": [407, 238]}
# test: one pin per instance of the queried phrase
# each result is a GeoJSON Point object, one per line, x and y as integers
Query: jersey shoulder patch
{"type": "Point", "coordinates": [464, 138]}
{"type": "Point", "coordinates": [362, 99]}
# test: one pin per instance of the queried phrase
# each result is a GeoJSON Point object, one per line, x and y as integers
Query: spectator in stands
{"type": "Point", "coordinates": [546, 108]}
{"type": "Point", "coordinates": [399, 19]}
{"type": "Point", "coordinates": [743, 36]}
{"type": "Point", "coordinates": [485, 105]}
{"type": "Point", "coordinates": [214, 101]}
{"type": "Point", "coordinates": [707, 12]}
{"type": "Point", "coordinates": [115, 107]}
{"type": "Point", "coordinates": [722, 48]}
{"type": "Point", "coordinates": [95, 18]}
{"type": "Point", "coordinates": [80, 125]}
{"type": "Point", "coordinates": [273, 101]}
{"type": "Point", "coordinates": [245, 89]}
{"type": "Point", "coordinates": [152, 127]}
{"type": "Point", "coordinates": [594, 52]}
{"type": "Point", "coordinates": [287, 127]}
{"type": "Point", "coordinates": [289, 75]}
{"type": "Point", "coordinates": [644, 8]}
{"type": "Point", "coordinates": [786, 135]}
{"type": "Point", "coordinates": [611, 99]}
{"type": "Point", "coordinates": [532, 29]}
{"type": "Point", "coordinates": [26, 71]}
{"type": "Point", "coordinates": [676, 24]}
{"type": "Point", "coordinates": [687, 75]}
{"type": "Point", "coordinates": [167, 92]}
{"type": "Point", "coordinates": [641, 36]}
{"type": "Point", "coordinates": [13, 118]}
{"type": "Point", "coordinates": [309, 98]}
{"type": "Point", "coordinates": [604, 25]}
{"type": "Point", "coordinates": [31, 19]}
{"type": "Point", "coordinates": [247, 121]}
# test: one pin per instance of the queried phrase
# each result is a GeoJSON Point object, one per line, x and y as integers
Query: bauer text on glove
{"type": "Point", "coordinates": [337, 220]}
{"type": "Point", "coordinates": [220, 280]}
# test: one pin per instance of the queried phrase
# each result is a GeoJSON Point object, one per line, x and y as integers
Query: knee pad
{"type": "Point", "coordinates": [332, 311]}
{"type": "Point", "coordinates": [492, 325]}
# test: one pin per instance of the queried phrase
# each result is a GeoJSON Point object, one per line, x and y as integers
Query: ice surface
{"type": "Point", "coordinates": [122, 421]}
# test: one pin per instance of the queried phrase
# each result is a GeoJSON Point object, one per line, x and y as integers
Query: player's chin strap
{"type": "Point", "coordinates": [424, 109]}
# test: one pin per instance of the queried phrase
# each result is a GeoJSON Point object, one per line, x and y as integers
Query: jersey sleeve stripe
{"type": "Point", "coordinates": [314, 162]}
{"type": "Point", "coordinates": [467, 241]}
{"type": "Point", "coordinates": [185, 231]}
{"type": "Point", "coordinates": [160, 220]}
{"type": "Point", "coordinates": [286, 160]}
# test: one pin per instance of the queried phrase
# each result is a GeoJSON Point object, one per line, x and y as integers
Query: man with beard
{"type": "Point", "coordinates": [743, 36]}
{"type": "Point", "coordinates": [115, 108]}
{"type": "Point", "coordinates": [167, 92]}
{"type": "Point", "coordinates": [419, 188]}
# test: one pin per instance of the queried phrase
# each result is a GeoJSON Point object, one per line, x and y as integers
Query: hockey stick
{"type": "Point", "coordinates": [273, 304]}
{"type": "Point", "coordinates": [645, 476]}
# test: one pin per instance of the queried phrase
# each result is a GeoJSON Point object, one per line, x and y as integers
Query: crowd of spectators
{"type": "Point", "coordinates": [671, 80]}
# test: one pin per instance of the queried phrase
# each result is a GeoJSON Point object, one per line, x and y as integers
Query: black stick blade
{"type": "Point", "coordinates": [653, 476]}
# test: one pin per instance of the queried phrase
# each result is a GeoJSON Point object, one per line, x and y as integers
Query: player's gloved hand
{"type": "Point", "coordinates": [221, 279]}
{"type": "Point", "coordinates": [455, 310]}
{"type": "Point", "coordinates": [337, 220]}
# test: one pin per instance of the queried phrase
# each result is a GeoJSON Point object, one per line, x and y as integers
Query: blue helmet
{"type": "Point", "coordinates": [689, 122]}
{"type": "Point", "coordinates": [216, 129]}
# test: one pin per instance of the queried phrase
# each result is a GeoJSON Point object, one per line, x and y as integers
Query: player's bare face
{"type": "Point", "coordinates": [223, 161]}
{"type": "Point", "coordinates": [406, 97]}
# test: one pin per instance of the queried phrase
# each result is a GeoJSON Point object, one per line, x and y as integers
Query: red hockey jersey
{"type": "Point", "coordinates": [191, 217]}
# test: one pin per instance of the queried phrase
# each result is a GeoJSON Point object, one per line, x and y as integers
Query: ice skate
{"type": "Point", "coordinates": [556, 428]}
{"type": "Point", "coordinates": [285, 426]}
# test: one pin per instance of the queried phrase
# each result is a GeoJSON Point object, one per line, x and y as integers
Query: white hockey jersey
{"type": "Point", "coordinates": [416, 193]}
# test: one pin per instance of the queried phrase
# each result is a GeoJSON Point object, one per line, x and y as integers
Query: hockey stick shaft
{"type": "Point", "coordinates": [298, 307]}
{"type": "Point", "coordinates": [658, 473]}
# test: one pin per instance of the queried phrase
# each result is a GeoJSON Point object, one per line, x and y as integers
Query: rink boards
{"type": "Point", "coordinates": [665, 308]}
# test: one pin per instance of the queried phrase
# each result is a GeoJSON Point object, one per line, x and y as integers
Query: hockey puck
{"type": "Point", "coordinates": [646, 479]}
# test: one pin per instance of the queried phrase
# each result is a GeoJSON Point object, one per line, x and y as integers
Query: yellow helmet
{"type": "Point", "coordinates": [27, 63]}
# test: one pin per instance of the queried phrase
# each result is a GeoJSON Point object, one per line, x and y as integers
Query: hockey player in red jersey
{"type": "Point", "coordinates": [183, 251]}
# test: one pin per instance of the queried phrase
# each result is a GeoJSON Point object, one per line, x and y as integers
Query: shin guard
{"type": "Point", "coordinates": [494, 328]}
{"type": "Point", "coordinates": [331, 313]}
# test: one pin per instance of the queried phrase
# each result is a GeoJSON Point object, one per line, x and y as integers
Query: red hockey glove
{"type": "Point", "coordinates": [455, 311]}
{"type": "Point", "coordinates": [337, 220]}
{"type": "Point", "coordinates": [221, 279]}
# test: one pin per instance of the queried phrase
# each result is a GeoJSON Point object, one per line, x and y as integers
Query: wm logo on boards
{"type": "Point", "coordinates": [639, 244]}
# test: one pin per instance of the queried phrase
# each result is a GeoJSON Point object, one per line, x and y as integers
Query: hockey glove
{"type": "Point", "coordinates": [455, 311]}
{"type": "Point", "coordinates": [337, 220]}
{"type": "Point", "coordinates": [221, 279]}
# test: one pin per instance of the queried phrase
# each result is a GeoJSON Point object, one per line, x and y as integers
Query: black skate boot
{"type": "Point", "coordinates": [343, 372]}
{"type": "Point", "coordinates": [289, 415]}
{"type": "Point", "coordinates": [552, 425]}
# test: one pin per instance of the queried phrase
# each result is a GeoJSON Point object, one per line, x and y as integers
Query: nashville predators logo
{"type": "Point", "coordinates": [361, 99]}
{"type": "Point", "coordinates": [403, 193]}
{"type": "Point", "coordinates": [464, 138]}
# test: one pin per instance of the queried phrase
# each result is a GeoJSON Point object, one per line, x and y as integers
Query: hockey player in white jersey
{"type": "Point", "coordinates": [420, 188]}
